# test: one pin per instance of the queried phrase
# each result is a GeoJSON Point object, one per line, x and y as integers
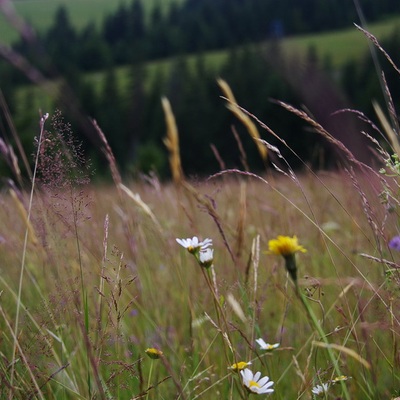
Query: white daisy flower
{"type": "Point", "coordinates": [193, 245]}
{"type": "Point", "coordinates": [254, 384]}
{"type": "Point", "coordinates": [266, 346]}
{"type": "Point", "coordinates": [320, 389]}
{"type": "Point", "coordinates": [206, 257]}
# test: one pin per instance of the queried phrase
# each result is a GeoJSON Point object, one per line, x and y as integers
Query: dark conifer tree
{"type": "Point", "coordinates": [137, 40]}
{"type": "Point", "coordinates": [135, 110]}
{"type": "Point", "coordinates": [153, 113]}
{"type": "Point", "coordinates": [159, 44]}
{"type": "Point", "coordinates": [110, 116]}
{"type": "Point", "coordinates": [93, 52]}
{"type": "Point", "coordinates": [61, 42]}
{"type": "Point", "coordinates": [89, 99]}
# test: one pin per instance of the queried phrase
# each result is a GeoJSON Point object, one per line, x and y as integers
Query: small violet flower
{"type": "Point", "coordinates": [395, 243]}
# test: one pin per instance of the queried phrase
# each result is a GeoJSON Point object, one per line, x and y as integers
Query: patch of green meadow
{"type": "Point", "coordinates": [40, 13]}
{"type": "Point", "coordinates": [340, 46]}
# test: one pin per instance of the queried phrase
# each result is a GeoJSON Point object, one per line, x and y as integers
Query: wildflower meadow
{"type": "Point", "coordinates": [281, 284]}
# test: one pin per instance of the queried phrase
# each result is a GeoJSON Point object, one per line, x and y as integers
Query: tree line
{"type": "Point", "coordinates": [127, 36]}
{"type": "Point", "coordinates": [131, 116]}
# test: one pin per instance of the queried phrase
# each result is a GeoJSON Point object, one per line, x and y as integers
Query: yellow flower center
{"type": "Point", "coordinates": [253, 383]}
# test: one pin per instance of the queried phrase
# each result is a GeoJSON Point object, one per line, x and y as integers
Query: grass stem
{"type": "Point", "coordinates": [316, 324]}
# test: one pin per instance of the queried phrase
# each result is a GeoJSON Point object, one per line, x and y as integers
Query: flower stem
{"type": "Point", "coordinates": [321, 333]}
{"type": "Point", "coordinates": [149, 380]}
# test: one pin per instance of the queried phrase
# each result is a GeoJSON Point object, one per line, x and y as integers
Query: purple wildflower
{"type": "Point", "coordinates": [395, 243]}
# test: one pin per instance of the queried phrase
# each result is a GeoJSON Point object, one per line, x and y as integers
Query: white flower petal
{"type": "Point", "coordinates": [263, 381]}
{"type": "Point", "coordinates": [317, 390]}
{"type": "Point", "coordinates": [261, 342]}
{"type": "Point", "coordinates": [184, 242]}
{"type": "Point", "coordinates": [247, 375]}
{"type": "Point", "coordinates": [206, 255]}
{"type": "Point", "coordinates": [268, 385]}
{"type": "Point", "coordinates": [206, 243]}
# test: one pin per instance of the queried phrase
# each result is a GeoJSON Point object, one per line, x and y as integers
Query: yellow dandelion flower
{"type": "Point", "coordinates": [154, 353]}
{"type": "Point", "coordinates": [239, 366]}
{"type": "Point", "coordinates": [285, 246]}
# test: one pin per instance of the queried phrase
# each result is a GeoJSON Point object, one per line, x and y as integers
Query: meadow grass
{"type": "Point", "coordinates": [100, 301]}
{"type": "Point", "coordinates": [105, 280]}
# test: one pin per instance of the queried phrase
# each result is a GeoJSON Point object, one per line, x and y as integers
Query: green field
{"type": "Point", "coordinates": [40, 13]}
{"type": "Point", "coordinates": [339, 46]}
{"type": "Point", "coordinates": [343, 45]}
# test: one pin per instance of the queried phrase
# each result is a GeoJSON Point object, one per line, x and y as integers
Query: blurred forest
{"type": "Point", "coordinates": [257, 71]}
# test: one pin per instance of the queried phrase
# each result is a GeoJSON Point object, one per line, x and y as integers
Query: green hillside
{"type": "Point", "coordinates": [339, 46]}
{"type": "Point", "coordinates": [343, 45]}
{"type": "Point", "coordinates": [40, 13]}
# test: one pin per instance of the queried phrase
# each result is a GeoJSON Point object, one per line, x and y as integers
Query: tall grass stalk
{"type": "Point", "coordinates": [22, 268]}
{"type": "Point", "coordinates": [101, 286]}
{"type": "Point", "coordinates": [171, 141]}
{"type": "Point", "coordinates": [84, 297]}
{"type": "Point", "coordinates": [243, 117]}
